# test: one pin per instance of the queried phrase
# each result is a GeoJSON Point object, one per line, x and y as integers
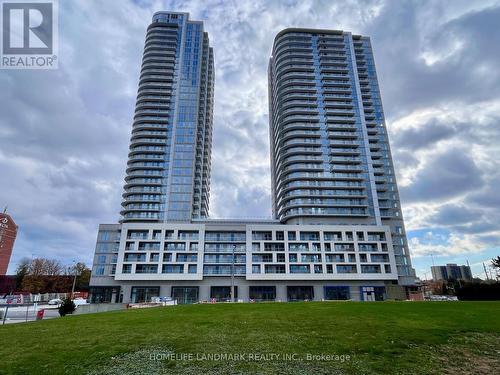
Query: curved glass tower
{"type": "Point", "coordinates": [168, 169]}
{"type": "Point", "coordinates": [330, 156]}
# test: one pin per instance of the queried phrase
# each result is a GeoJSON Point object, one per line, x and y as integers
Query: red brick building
{"type": "Point", "coordinates": [8, 233]}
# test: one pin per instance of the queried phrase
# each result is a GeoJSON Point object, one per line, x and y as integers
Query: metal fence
{"type": "Point", "coordinates": [25, 312]}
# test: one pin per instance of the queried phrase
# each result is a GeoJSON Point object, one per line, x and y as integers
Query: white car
{"type": "Point", "coordinates": [80, 301]}
{"type": "Point", "coordinates": [55, 301]}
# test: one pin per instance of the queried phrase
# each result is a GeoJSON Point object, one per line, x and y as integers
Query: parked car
{"type": "Point", "coordinates": [55, 301]}
{"type": "Point", "coordinates": [80, 301]}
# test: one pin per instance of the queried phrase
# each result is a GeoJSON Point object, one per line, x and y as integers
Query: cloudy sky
{"type": "Point", "coordinates": [64, 133]}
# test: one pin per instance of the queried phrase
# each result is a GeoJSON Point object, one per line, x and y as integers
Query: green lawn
{"type": "Point", "coordinates": [378, 337]}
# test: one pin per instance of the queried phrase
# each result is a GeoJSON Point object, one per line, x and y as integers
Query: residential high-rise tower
{"type": "Point", "coordinates": [330, 157]}
{"type": "Point", "coordinates": [168, 170]}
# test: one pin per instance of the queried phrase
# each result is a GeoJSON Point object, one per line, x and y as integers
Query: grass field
{"type": "Point", "coordinates": [368, 338]}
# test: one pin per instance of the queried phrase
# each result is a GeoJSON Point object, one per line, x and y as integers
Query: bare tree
{"type": "Point", "coordinates": [45, 267]}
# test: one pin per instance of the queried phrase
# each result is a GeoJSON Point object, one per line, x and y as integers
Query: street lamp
{"type": "Point", "coordinates": [74, 281]}
{"type": "Point", "coordinates": [232, 274]}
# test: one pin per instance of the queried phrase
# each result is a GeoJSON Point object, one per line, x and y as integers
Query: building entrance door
{"type": "Point", "coordinates": [185, 295]}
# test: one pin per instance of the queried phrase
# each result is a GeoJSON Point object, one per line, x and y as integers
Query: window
{"type": "Point", "coordinates": [332, 236]}
{"type": "Point", "coordinates": [188, 235]}
{"type": "Point", "coordinates": [300, 293]}
{"type": "Point", "coordinates": [271, 246]}
{"type": "Point", "coordinates": [187, 257]}
{"type": "Point", "coordinates": [144, 294]}
{"type": "Point", "coordinates": [259, 235]}
{"type": "Point", "coordinates": [192, 268]}
{"type": "Point", "coordinates": [271, 268]}
{"type": "Point", "coordinates": [387, 268]}
{"type": "Point", "coordinates": [262, 258]}
{"type": "Point", "coordinates": [108, 236]}
{"type": "Point", "coordinates": [298, 247]}
{"type": "Point", "coordinates": [311, 258]}
{"type": "Point", "coordinates": [224, 247]}
{"type": "Point", "coordinates": [318, 268]}
{"type": "Point", "coordinates": [185, 295]}
{"type": "Point", "coordinates": [106, 247]}
{"type": "Point", "coordinates": [255, 268]}
{"type": "Point", "coordinates": [223, 270]}
{"type": "Point", "coordinates": [137, 234]}
{"type": "Point", "coordinates": [309, 236]}
{"type": "Point", "coordinates": [149, 246]}
{"type": "Point", "coordinates": [262, 293]}
{"type": "Point", "coordinates": [376, 236]}
{"type": "Point", "coordinates": [175, 246]}
{"type": "Point", "coordinates": [154, 257]}
{"type": "Point", "coordinates": [337, 293]}
{"type": "Point", "coordinates": [300, 268]}
{"type": "Point", "coordinates": [379, 258]}
{"type": "Point", "coordinates": [127, 268]}
{"type": "Point", "coordinates": [173, 268]}
{"type": "Point", "coordinates": [335, 258]}
{"type": "Point", "coordinates": [344, 247]}
{"type": "Point", "coordinates": [368, 247]}
{"type": "Point", "coordinates": [280, 236]}
{"type": "Point", "coordinates": [101, 259]}
{"type": "Point", "coordinates": [292, 236]}
{"type": "Point", "coordinates": [370, 269]}
{"type": "Point", "coordinates": [193, 246]}
{"type": "Point", "coordinates": [280, 258]}
{"type": "Point", "coordinates": [346, 268]}
{"type": "Point", "coordinates": [225, 236]}
{"type": "Point", "coordinates": [99, 270]}
{"type": "Point", "coordinates": [146, 268]}
{"type": "Point", "coordinates": [134, 257]}
{"type": "Point", "coordinates": [222, 293]}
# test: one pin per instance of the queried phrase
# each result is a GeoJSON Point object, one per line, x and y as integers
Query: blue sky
{"type": "Point", "coordinates": [64, 133]}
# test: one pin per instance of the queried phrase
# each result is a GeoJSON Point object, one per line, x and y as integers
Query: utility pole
{"type": "Point", "coordinates": [232, 274]}
{"type": "Point", "coordinates": [486, 273]}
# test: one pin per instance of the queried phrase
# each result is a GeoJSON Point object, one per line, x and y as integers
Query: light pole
{"type": "Point", "coordinates": [74, 281]}
{"type": "Point", "coordinates": [232, 274]}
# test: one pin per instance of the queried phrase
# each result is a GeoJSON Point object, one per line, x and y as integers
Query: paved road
{"type": "Point", "coordinates": [18, 314]}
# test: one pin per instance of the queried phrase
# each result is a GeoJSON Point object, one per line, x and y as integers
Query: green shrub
{"type": "Point", "coordinates": [67, 307]}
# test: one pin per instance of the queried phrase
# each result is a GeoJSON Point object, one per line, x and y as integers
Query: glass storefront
{"type": "Point", "coordinates": [300, 293]}
{"type": "Point", "coordinates": [143, 294]}
{"type": "Point", "coordinates": [185, 295]}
